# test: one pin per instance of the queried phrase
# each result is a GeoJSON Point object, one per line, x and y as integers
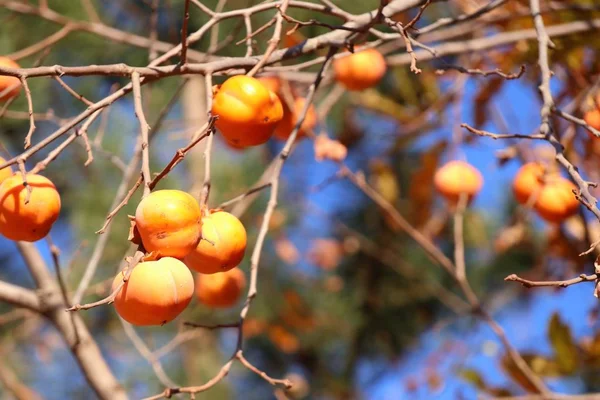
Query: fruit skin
{"type": "Point", "coordinates": [5, 172]}
{"type": "Point", "coordinates": [247, 111]}
{"type": "Point", "coordinates": [528, 181]}
{"type": "Point", "coordinates": [155, 293]}
{"type": "Point", "coordinates": [361, 70]}
{"type": "Point", "coordinates": [271, 82]}
{"type": "Point", "coordinates": [220, 290]}
{"type": "Point", "coordinates": [592, 118]}
{"type": "Point", "coordinates": [224, 247]}
{"type": "Point", "coordinates": [8, 81]}
{"type": "Point", "coordinates": [290, 118]}
{"type": "Point", "coordinates": [457, 177]}
{"type": "Point", "coordinates": [169, 223]}
{"type": "Point", "coordinates": [556, 201]}
{"type": "Point", "coordinates": [32, 221]}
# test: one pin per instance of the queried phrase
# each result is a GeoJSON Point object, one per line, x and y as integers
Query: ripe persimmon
{"type": "Point", "coordinates": [5, 172]}
{"type": "Point", "coordinates": [7, 82]}
{"type": "Point", "coordinates": [361, 70]}
{"type": "Point", "coordinates": [528, 181]}
{"type": "Point", "coordinates": [247, 111]}
{"type": "Point", "coordinates": [169, 223]}
{"type": "Point", "coordinates": [556, 200]}
{"type": "Point", "coordinates": [271, 82]}
{"type": "Point", "coordinates": [290, 118]}
{"type": "Point", "coordinates": [457, 177]}
{"type": "Point", "coordinates": [592, 118]}
{"type": "Point", "coordinates": [28, 221]}
{"type": "Point", "coordinates": [220, 290]}
{"type": "Point", "coordinates": [155, 293]}
{"type": "Point", "coordinates": [222, 246]}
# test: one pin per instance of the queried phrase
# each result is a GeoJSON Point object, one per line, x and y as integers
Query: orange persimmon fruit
{"type": "Point", "coordinates": [33, 220]}
{"type": "Point", "coordinates": [7, 82]}
{"type": "Point", "coordinates": [169, 223]}
{"type": "Point", "coordinates": [528, 181]}
{"type": "Point", "coordinates": [290, 118]}
{"type": "Point", "coordinates": [5, 172]}
{"type": "Point", "coordinates": [270, 82]}
{"type": "Point", "coordinates": [222, 246]}
{"type": "Point", "coordinates": [247, 111]}
{"type": "Point", "coordinates": [220, 290]}
{"type": "Point", "coordinates": [556, 201]}
{"type": "Point", "coordinates": [155, 293]}
{"type": "Point", "coordinates": [361, 70]}
{"type": "Point", "coordinates": [592, 118]}
{"type": "Point", "coordinates": [455, 178]}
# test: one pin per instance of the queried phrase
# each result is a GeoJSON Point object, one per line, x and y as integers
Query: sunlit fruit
{"type": "Point", "coordinates": [7, 82]}
{"type": "Point", "coordinates": [220, 290]}
{"type": "Point", "coordinates": [222, 246]}
{"type": "Point", "coordinates": [28, 221]}
{"type": "Point", "coordinates": [283, 339]}
{"type": "Point", "coordinates": [155, 293]}
{"type": "Point", "coordinates": [592, 118]}
{"type": "Point", "coordinates": [247, 111]}
{"type": "Point", "coordinates": [5, 172]}
{"type": "Point", "coordinates": [290, 119]}
{"type": "Point", "coordinates": [456, 178]}
{"type": "Point", "coordinates": [528, 181]}
{"type": "Point", "coordinates": [271, 82]}
{"type": "Point", "coordinates": [361, 70]}
{"type": "Point", "coordinates": [556, 200]}
{"type": "Point", "coordinates": [169, 223]}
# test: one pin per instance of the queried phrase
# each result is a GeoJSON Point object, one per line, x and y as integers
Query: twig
{"type": "Point", "coordinates": [497, 136]}
{"type": "Point", "coordinates": [561, 284]}
{"type": "Point", "coordinates": [144, 128]}
{"type": "Point", "coordinates": [471, 71]}
{"type": "Point", "coordinates": [184, 32]}
{"type": "Point", "coordinates": [205, 192]}
{"type": "Point", "coordinates": [30, 109]}
{"type": "Point", "coordinates": [274, 42]}
{"type": "Point", "coordinates": [274, 382]}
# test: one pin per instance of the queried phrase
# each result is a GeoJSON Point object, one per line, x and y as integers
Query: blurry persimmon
{"type": "Point", "coordinates": [271, 82]}
{"type": "Point", "coordinates": [10, 86]}
{"type": "Point", "coordinates": [220, 290]}
{"type": "Point", "coordinates": [223, 244]}
{"type": "Point", "coordinates": [361, 70]}
{"type": "Point", "coordinates": [28, 221]}
{"type": "Point", "coordinates": [155, 293]}
{"type": "Point", "coordinates": [556, 201]}
{"type": "Point", "coordinates": [528, 181]}
{"type": "Point", "coordinates": [290, 119]}
{"type": "Point", "coordinates": [283, 339]}
{"type": "Point", "coordinates": [169, 223]}
{"type": "Point", "coordinates": [456, 178]}
{"type": "Point", "coordinates": [247, 111]}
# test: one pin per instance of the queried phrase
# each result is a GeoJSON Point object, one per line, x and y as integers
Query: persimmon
{"type": "Point", "coordinates": [283, 339]}
{"type": "Point", "coordinates": [556, 200]}
{"type": "Point", "coordinates": [456, 178]}
{"type": "Point", "coordinates": [528, 181]}
{"type": "Point", "coordinates": [169, 223]}
{"type": "Point", "coordinates": [7, 82]}
{"type": "Point", "coordinates": [222, 246]}
{"type": "Point", "coordinates": [220, 290]}
{"type": "Point", "coordinates": [247, 111]}
{"type": "Point", "coordinates": [361, 70]}
{"type": "Point", "coordinates": [290, 119]}
{"type": "Point", "coordinates": [28, 221]}
{"type": "Point", "coordinates": [155, 293]}
{"type": "Point", "coordinates": [271, 82]}
{"type": "Point", "coordinates": [592, 118]}
{"type": "Point", "coordinates": [5, 172]}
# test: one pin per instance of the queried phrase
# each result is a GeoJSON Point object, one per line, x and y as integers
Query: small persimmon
{"type": "Point", "coordinates": [592, 118]}
{"type": "Point", "coordinates": [5, 172]}
{"type": "Point", "coordinates": [28, 221]}
{"type": "Point", "coordinates": [290, 119]}
{"type": "Point", "coordinates": [7, 82]}
{"type": "Point", "coordinates": [283, 339]}
{"type": "Point", "coordinates": [556, 201]}
{"type": "Point", "coordinates": [220, 290]}
{"type": "Point", "coordinates": [169, 223]}
{"type": "Point", "coordinates": [247, 111]}
{"type": "Point", "coordinates": [528, 181]}
{"type": "Point", "coordinates": [456, 178]}
{"type": "Point", "coordinates": [271, 82]}
{"type": "Point", "coordinates": [155, 293]}
{"type": "Point", "coordinates": [361, 70]}
{"type": "Point", "coordinates": [222, 246]}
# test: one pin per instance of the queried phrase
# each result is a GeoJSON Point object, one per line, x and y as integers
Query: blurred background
{"type": "Point", "coordinates": [348, 306]}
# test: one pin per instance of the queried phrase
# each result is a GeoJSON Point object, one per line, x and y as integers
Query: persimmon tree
{"type": "Point", "coordinates": [180, 143]}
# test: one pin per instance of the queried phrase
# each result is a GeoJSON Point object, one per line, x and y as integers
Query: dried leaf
{"type": "Point", "coordinates": [287, 251]}
{"type": "Point", "coordinates": [562, 342]}
{"type": "Point", "coordinates": [326, 253]}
